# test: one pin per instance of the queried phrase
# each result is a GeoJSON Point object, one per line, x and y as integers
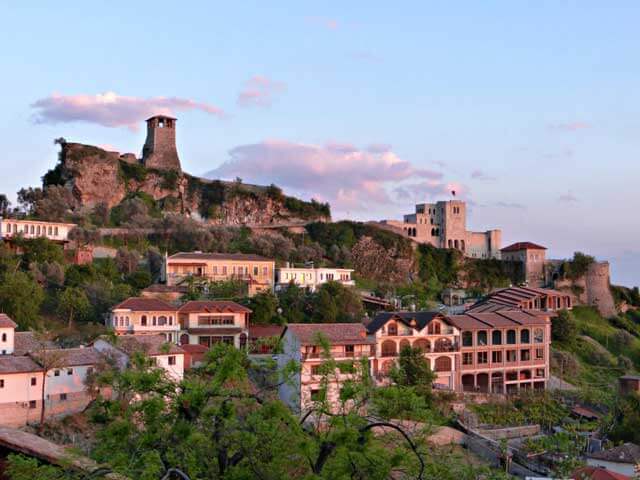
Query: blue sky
{"type": "Point", "coordinates": [529, 108]}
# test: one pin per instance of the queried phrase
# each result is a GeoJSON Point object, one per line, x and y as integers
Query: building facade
{"type": "Point", "coordinates": [348, 345]}
{"type": "Point", "coordinates": [144, 315]}
{"type": "Point", "coordinates": [209, 322]}
{"type": "Point", "coordinates": [311, 278]}
{"type": "Point", "coordinates": [258, 272]}
{"type": "Point", "coordinates": [532, 259]}
{"type": "Point", "coordinates": [54, 231]}
{"type": "Point", "coordinates": [444, 225]}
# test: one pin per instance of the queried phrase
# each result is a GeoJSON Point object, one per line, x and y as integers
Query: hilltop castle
{"type": "Point", "coordinates": [444, 225]}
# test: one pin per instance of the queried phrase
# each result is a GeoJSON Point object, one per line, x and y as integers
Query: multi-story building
{"type": "Point", "coordinates": [311, 278]}
{"type": "Point", "coordinates": [55, 231]}
{"type": "Point", "coordinates": [208, 322]}
{"type": "Point", "coordinates": [145, 315]}
{"type": "Point", "coordinates": [256, 271]}
{"type": "Point", "coordinates": [503, 352]}
{"type": "Point", "coordinates": [347, 344]}
{"type": "Point", "coordinates": [524, 298]}
{"type": "Point", "coordinates": [444, 225]}
{"type": "Point", "coordinates": [531, 258]}
{"type": "Point", "coordinates": [429, 331]}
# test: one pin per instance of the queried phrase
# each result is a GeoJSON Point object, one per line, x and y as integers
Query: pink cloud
{"type": "Point", "coordinates": [259, 91]}
{"type": "Point", "coordinates": [430, 190]}
{"type": "Point", "coordinates": [342, 174]}
{"type": "Point", "coordinates": [570, 127]}
{"type": "Point", "coordinates": [112, 110]}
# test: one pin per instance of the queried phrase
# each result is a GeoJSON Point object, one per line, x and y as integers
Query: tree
{"type": "Point", "coordinates": [84, 236]}
{"type": "Point", "coordinates": [73, 305]}
{"type": "Point", "coordinates": [413, 370]}
{"type": "Point", "coordinates": [5, 204]}
{"type": "Point", "coordinates": [21, 298]}
{"type": "Point", "coordinates": [324, 307]}
{"type": "Point", "coordinates": [127, 260]}
{"type": "Point", "coordinates": [39, 250]}
{"type": "Point", "coordinates": [263, 305]}
{"type": "Point", "coordinates": [564, 327]}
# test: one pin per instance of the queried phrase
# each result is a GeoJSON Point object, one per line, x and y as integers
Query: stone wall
{"type": "Point", "coordinates": [592, 289]}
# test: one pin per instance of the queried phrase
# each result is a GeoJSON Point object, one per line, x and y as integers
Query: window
{"type": "Point", "coordinates": [434, 328]}
{"type": "Point", "coordinates": [482, 357]}
{"type": "Point", "coordinates": [315, 369]}
{"type": "Point", "coordinates": [143, 320]}
{"type": "Point", "coordinates": [392, 329]}
{"type": "Point", "coordinates": [211, 320]}
{"type": "Point", "coordinates": [525, 355]}
{"type": "Point", "coordinates": [540, 372]}
{"type": "Point", "coordinates": [56, 373]}
{"type": "Point", "coordinates": [255, 271]}
{"type": "Point", "coordinates": [467, 358]}
{"type": "Point", "coordinates": [265, 271]}
{"type": "Point", "coordinates": [511, 355]}
{"type": "Point", "coordinates": [496, 337]}
{"type": "Point", "coordinates": [63, 397]}
{"type": "Point", "coordinates": [89, 370]}
{"type": "Point", "coordinates": [34, 381]}
{"type": "Point", "coordinates": [162, 320]}
{"type": "Point", "coordinates": [467, 339]}
{"type": "Point", "coordinates": [539, 353]}
{"type": "Point", "coordinates": [482, 337]}
{"type": "Point", "coordinates": [496, 357]}
{"type": "Point", "coordinates": [511, 337]}
{"type": "Point", "coordinates": [4, 337]}
{"type": "Point", "coordinates": [172, 360]}
{"type": "Point", "coordinates": [349, 350]}
{"type": "Point", "coordinates": [1, 383]}
{"type": "Point", "coordinates": [315, 395]}
{"type": "Point", "coordinates": [538, 335]}
{"type": "Point", "coordinates": [525, 336]}
{"type": "Point", "coordinates": [70, 371]}
{"type": "Point", "coordinates": [32, 404]}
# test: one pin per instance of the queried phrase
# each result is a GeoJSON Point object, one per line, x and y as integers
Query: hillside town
{"type": "Point", "coordinates": [127, 326]}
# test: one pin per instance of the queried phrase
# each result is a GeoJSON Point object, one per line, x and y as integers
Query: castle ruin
{"type": "Point", "coordinates": [159, 149]}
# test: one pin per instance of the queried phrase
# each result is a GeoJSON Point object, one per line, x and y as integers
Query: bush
{"type": "Point", "coordinates": [564, 327]}
{"type": "Point", "coordinates": [132, 171]}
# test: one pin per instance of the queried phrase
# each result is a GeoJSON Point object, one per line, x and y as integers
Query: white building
{"type": "Point", "coordinates": [311, 277]}
{"type": "Point", "coordinates": [55, 231]}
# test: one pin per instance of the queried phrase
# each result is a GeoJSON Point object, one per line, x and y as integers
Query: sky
{"type": "Point", "coordinates": [528, 110]}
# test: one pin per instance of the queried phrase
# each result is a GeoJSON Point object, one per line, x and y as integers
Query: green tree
{"type": "Point", "coordinates": [564, 327]}
{"type": "Point", "coordinates": [324, 307]}
{"type": "Point", "coordinates": [39, 250]}
{"type": "Point", "coordinates": [413, 370]}
{"type": "Point", "coordinates": [263, 305]}
{"type": "Point", "coordinates": [73, 305]}
{"type": "Point", "coordinates": [293, 301]}
{"type": "Point", "coordinates": [21, 298]}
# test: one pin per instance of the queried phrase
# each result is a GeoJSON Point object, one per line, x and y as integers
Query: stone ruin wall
{"type": "Point", "coordinates": [594, 289]}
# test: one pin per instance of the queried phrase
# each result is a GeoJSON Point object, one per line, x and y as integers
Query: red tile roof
{"type": "Point", "coordinates": [522, 246]}
{"type": "Point", "coordinates": [145, 304]}
{"type": "Point", "coordinates": [265, 331]}
{"type": "Point", "coordinates": [212, 306]}
{"type": "Point", "coordinates": [6, 322]}
{"type": "Point", "coordinates": [511, 297]}
{"type": "Point", "coordinates": [501, 319]}
{"type": "Point", "coordinates": [626, 453]}
{"type": "Point", "coordinates": [219, 256]}
{"type": "Point", "coordinates": [335, 333]}
{"type": "Point", "coordinates": [597, 473]}
{"type": "Point", "coordinates": [69, 357]}
{"type": "Point", "coordinates": [194, 348]}
{"type": "Point", "coordinates": [18, 364]}
{"type": "Point", "coordinates": [149, 344]}
{"type": "Point", "coordinates": [25, 342]}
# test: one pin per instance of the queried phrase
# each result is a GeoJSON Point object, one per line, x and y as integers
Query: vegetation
{"type": "Point", "coordinates": [528, 409]}
{"type": "Point", "coordinates": [577, 267]}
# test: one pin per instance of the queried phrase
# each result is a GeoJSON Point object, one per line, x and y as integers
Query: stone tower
{"type": "Point", "coordinates": [159, 149]}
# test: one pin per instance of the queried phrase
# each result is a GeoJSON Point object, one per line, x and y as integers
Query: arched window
{"type": "Point", "coordinates": [467, 339]}
{"type": "Point", "coordinates": [162, 320]}
{"type": "Point", "coordinates": [511, 337]}
{"type": "Point", "coordinates": [538, 335]}
{"type": "Point", "coordinates": [32, 230]}
{"type": "Point", "coordinates": [455, 244]}
{"type": "Point", "coordinates": [423, 344]}
{"type": "Point", "coordinates": [171, 320]}
{"type": "Point", "coordinates": [404, 344]}
{"type": "Point", "coordinates": [243, 340]}
{"type": "Point", "coordinates": [462, 245]}
{"type": "Point", "coordinates": [143, 320]}
{"type": "Point", "coordinates": [38, 230]}
{"type": "Point", "coordinates": [496, 337]}
{"type": "Point", "coordinates": [4, 337]}
{"type": "Point", "coordinates": [443, 345]}
{"type": "Point", "coordinates": [482, 338]}
{"type": "Point", "coordinates": [450, 243]}
{"type": "Point", "coordinates": [433, 232]}
{"type": "Point", "coordinates": [126, 321]}
{"type": "Point", "coordinates": [525, 336]}
{"type": "Point", "coordinates": [154, 321]}
{"type": "Point", "coordinates": [388, 348]}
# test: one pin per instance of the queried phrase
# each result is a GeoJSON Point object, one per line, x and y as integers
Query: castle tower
{"type": "Point", "coordinates": [159, 149]}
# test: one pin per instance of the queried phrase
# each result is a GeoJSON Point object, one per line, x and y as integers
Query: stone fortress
{"type": "Point", "coordinates": [444, 225]}
{"type": "Point", "coordinates": [159, 149]}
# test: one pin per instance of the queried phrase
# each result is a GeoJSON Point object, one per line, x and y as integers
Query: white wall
{"type": "Point", "coordinates": [176, 372]}
{"type": "Point", "coordinates": [7, 346]}
{"type": "Point", "coordinates": [289, 392]}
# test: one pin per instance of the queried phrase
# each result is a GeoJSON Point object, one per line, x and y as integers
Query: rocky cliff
{"type": "Point", "coordinates": [97, 176]}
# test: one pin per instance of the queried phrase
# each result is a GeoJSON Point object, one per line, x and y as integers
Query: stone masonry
{"type": "Point", "coordinates": [159, 149]}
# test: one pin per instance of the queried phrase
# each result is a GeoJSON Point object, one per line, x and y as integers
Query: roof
{"type": "Point", "coordinates": [597, 473]}
{"type": "Point", "coordinates": [216, 331]}
{"type": "Point", "coordinates": [18, 364]}
{"type": "Point", "coordinates": [25, 342]}
{"type": "Point", "coordinates": [511, 297]}
{"type": "Point", "coordinates": [421, 319]}
{"type": "Point", "coordinates": [264, 331]}
{"type": "Point", "coordinates": [335, 333]}
{"type": "Point", "coordinates": [70, 357]}
{"type": "Point", "coordinates": [586, 412]}
{"type": "Point", "coordinates": [630, 377]}
{"type": "Point", "coordinates": [626, 453]}
{"type": "Point", "coordinates": [219, 256]}
{"type": "Point", "coordinates": [6, 322]}
{"type": "Point", "coordinates": [145, 304]}
{"type": "Point", "coordinates": [148, 344]}
{"type": "Point", "coordinates": [160, 116]}
{"type": "Point", "coordinates": [194, 348]}
{"type": "Point", "coordinates": [212, 306]}
{"type": "Point", "coordinates": [502, 319]}
{"type": "Point", "coordinates": [515, 247]}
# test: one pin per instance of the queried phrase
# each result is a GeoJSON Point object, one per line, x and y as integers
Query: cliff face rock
{"type": "Point", "coordinates": [96, 176]}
